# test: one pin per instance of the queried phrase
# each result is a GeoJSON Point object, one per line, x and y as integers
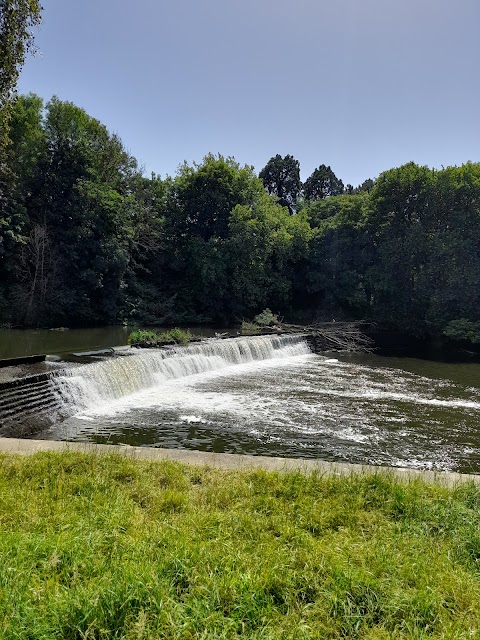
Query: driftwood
{"type": "Point", "coordinates": [330, 336]}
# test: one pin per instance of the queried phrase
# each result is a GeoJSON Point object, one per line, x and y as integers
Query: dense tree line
{"type": "Point", "coordinates": [86, 238]}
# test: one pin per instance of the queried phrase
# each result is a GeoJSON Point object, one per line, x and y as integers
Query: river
{"type": "Point", "coordinates": [15, 343]}
{"type": "Point", "coordinates": [265, 398]}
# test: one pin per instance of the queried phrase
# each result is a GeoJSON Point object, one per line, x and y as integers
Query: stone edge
{"type": "Point", "coordinates": [232, 462]}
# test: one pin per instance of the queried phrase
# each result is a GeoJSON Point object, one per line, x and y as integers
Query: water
{"type": "Point", "coordinates": [16, 343]}
{"type": "Point", "coordinates": [272, 396]}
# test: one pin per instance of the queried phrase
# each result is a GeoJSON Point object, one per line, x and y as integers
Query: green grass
{"type": "Point", "coordinates": [106, 547]}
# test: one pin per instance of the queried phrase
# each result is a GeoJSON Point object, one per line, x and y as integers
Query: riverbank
{"type": "Point", "coordinates": [234, 462]}
{"type": "Point", "coordinates": [101, 546]}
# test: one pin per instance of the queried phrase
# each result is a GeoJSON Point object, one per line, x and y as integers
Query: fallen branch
{"type": "Point", "coordinates": [331, 336]}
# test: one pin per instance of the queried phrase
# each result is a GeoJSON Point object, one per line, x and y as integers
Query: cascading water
{"type": "Point", "coordinates": [270, 395]}
{"type": "Point", "coordinates": [93, 384]}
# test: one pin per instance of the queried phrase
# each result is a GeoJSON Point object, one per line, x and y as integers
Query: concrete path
{"type": "Point", "coordinates": [230, 461]}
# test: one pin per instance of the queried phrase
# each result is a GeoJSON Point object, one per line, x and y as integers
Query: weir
{"type": "Point", "coordinates": [30, 404]}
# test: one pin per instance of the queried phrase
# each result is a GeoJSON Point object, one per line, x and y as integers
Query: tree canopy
{"type": "Point", "coordinates": [92, 240]}
{"type": "Point", "coordinates": [281, 178]}
{"type": "Point", "coordinates": [323, 183]}
{"type": "Point", "coordinates": [17, 17]}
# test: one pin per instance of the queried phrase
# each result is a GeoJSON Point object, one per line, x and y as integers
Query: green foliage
{"type": "Point", "coordinates": [367, 185]}
{"type": "Point", "coordinates": [266, 318]}
{"type": "Point", "coordinates": [176, 336]}
{"type": "Point", "coordinates": [149, 338]}
{"type": "Point", "coordinates": [86, 238]}
{"type": "Point", "coordinates": [17, 18]}
{"type": "Point", "coordinates": [323, 183]}
{"type": "Point", "coordinates": [463, 330]}
{"type": "Point", "coordinates": [143, 338]}
{"type": "Point", "coordinates": [249, 328]}
{"type": "Point", "coordinates": [77, 189]}
{"type": "Point", "coordinates": [281, 178]}
{"type": "Point", "coordinates": [109, 547]}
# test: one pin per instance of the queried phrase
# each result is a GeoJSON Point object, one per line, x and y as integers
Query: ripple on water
{"type": "Point", "coordinates": [300, 405]}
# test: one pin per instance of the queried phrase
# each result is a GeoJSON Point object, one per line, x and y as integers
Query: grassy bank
{"type": "Point", "coordinates": [105, 547]}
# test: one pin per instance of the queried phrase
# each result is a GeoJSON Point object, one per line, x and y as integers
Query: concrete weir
{"type": "Point", "coordinates": [30, 403]}
{"type": "Point", "coordinates": [27, 404]}
{"type": "Point", "coordinates": [235, 462]}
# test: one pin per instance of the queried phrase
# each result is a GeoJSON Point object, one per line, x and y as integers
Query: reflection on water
{"type": "Point", "coordinates": [15, 343]}
{"type": "Point", "coordinates": [361, 409]}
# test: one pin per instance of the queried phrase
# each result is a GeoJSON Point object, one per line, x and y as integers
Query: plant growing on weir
{"type": "Point", "coordinates": [266, 318]}
{"type": "Point", "coordinates": [142, 337]}
{"type": "Point", "coordinates": [149, 338]}
{"type": "Point", "coordinates": [177, 336]}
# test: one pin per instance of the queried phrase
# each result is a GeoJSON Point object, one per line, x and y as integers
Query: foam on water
{"type": "Point", "coordinates": [96, 386]}
{"type": "Point", "coordinates": [272, 396]}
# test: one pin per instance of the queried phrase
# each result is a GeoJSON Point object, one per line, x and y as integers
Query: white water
{"type": "Point", "coordinates": [272, 396]}
{"type": "Point", "coordinates": [94, 386]}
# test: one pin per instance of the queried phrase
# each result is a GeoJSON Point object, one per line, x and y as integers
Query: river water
{"type": "Point", "coordinates": [15, 343]}
{"type": "Point", "coordinates": [272, 396]}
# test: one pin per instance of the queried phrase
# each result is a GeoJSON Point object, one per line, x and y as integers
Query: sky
{"type": "Point", "coordinates": [360, 85]}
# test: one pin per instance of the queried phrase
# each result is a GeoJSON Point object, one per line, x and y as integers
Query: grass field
{"type": "Point", "coordinates": [107, 547]}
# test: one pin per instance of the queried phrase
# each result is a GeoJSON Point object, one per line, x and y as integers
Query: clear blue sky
{"type": "Point", "coordinates": [361, 85]}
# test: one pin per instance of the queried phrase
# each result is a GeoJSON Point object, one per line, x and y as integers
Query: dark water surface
{"type": "Point", "coordinates": [283, 401]}
{"type": "Point", "coordinates": [15, 343]}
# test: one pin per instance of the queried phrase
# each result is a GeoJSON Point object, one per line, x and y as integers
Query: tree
{"type": "Point", "coordinates": [204, 194]}
{"type": "Point", "coordinates": [147, 296]}
{"type": "Point", "coordinates": [35, 278]}
{"type": "Point", "coordinates": [266, 243]}
{"type": "Point", "coordinates": [401, 204]}
{"type": "Point", "coordinates": [340, 255]}
{"type": "Point", "coordinates": [17, 17]}
{"type": "Point", "coordinates": [281, 178]}
{"type": "Point", "coordinates": [199, 202]}
{"type": "Point", "coordinates": [81, 197]}
{"type": "Point", "coordinates": [26, 145]}
{"type": "Point", "coordinates": [367, 185]}
{"type": "Point", "coordinates": [323, 183]}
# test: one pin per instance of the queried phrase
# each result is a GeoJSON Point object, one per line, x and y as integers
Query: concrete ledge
{"type": "Point", "coordinates": [14, 362]}
{"type": "Point", "coordinates": [231, 461]}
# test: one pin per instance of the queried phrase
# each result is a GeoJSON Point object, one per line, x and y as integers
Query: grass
{"type": "Point", "coordinates": [107, 547]}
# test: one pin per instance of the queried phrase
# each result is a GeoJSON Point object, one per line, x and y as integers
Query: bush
{"type": "Point", "coordinates": [142, 337]}
{"type": "Point", "coordinates": [249, 329]}
{"type": "Point", "coordinates": [148, 338]}
{"type": "Point", "coordinates": [266, 318]}
{"type": "Point", "coordinates": [175, 336]}
{"type": "Point", "coordinates": [464, 330]}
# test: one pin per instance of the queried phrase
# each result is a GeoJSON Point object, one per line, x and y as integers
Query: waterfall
{"type": "Point", "coordinates": [89, 385]}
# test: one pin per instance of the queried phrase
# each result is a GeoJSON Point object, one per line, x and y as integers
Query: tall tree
{"type": "Point", "coordinates": [198, 206]}
{"type": "Point", "coordinates": [81, 207]}
{"type": "Point", "coordinates": [323, 183]}
{"type": "Point", "coordinates": [26, 146]}
{"type": "Point", "coordinates": [281, 178]}
{"type": "Point", "coordinates": [17, 17]}
{"type": "Point", "coordinates": [367, 185]}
